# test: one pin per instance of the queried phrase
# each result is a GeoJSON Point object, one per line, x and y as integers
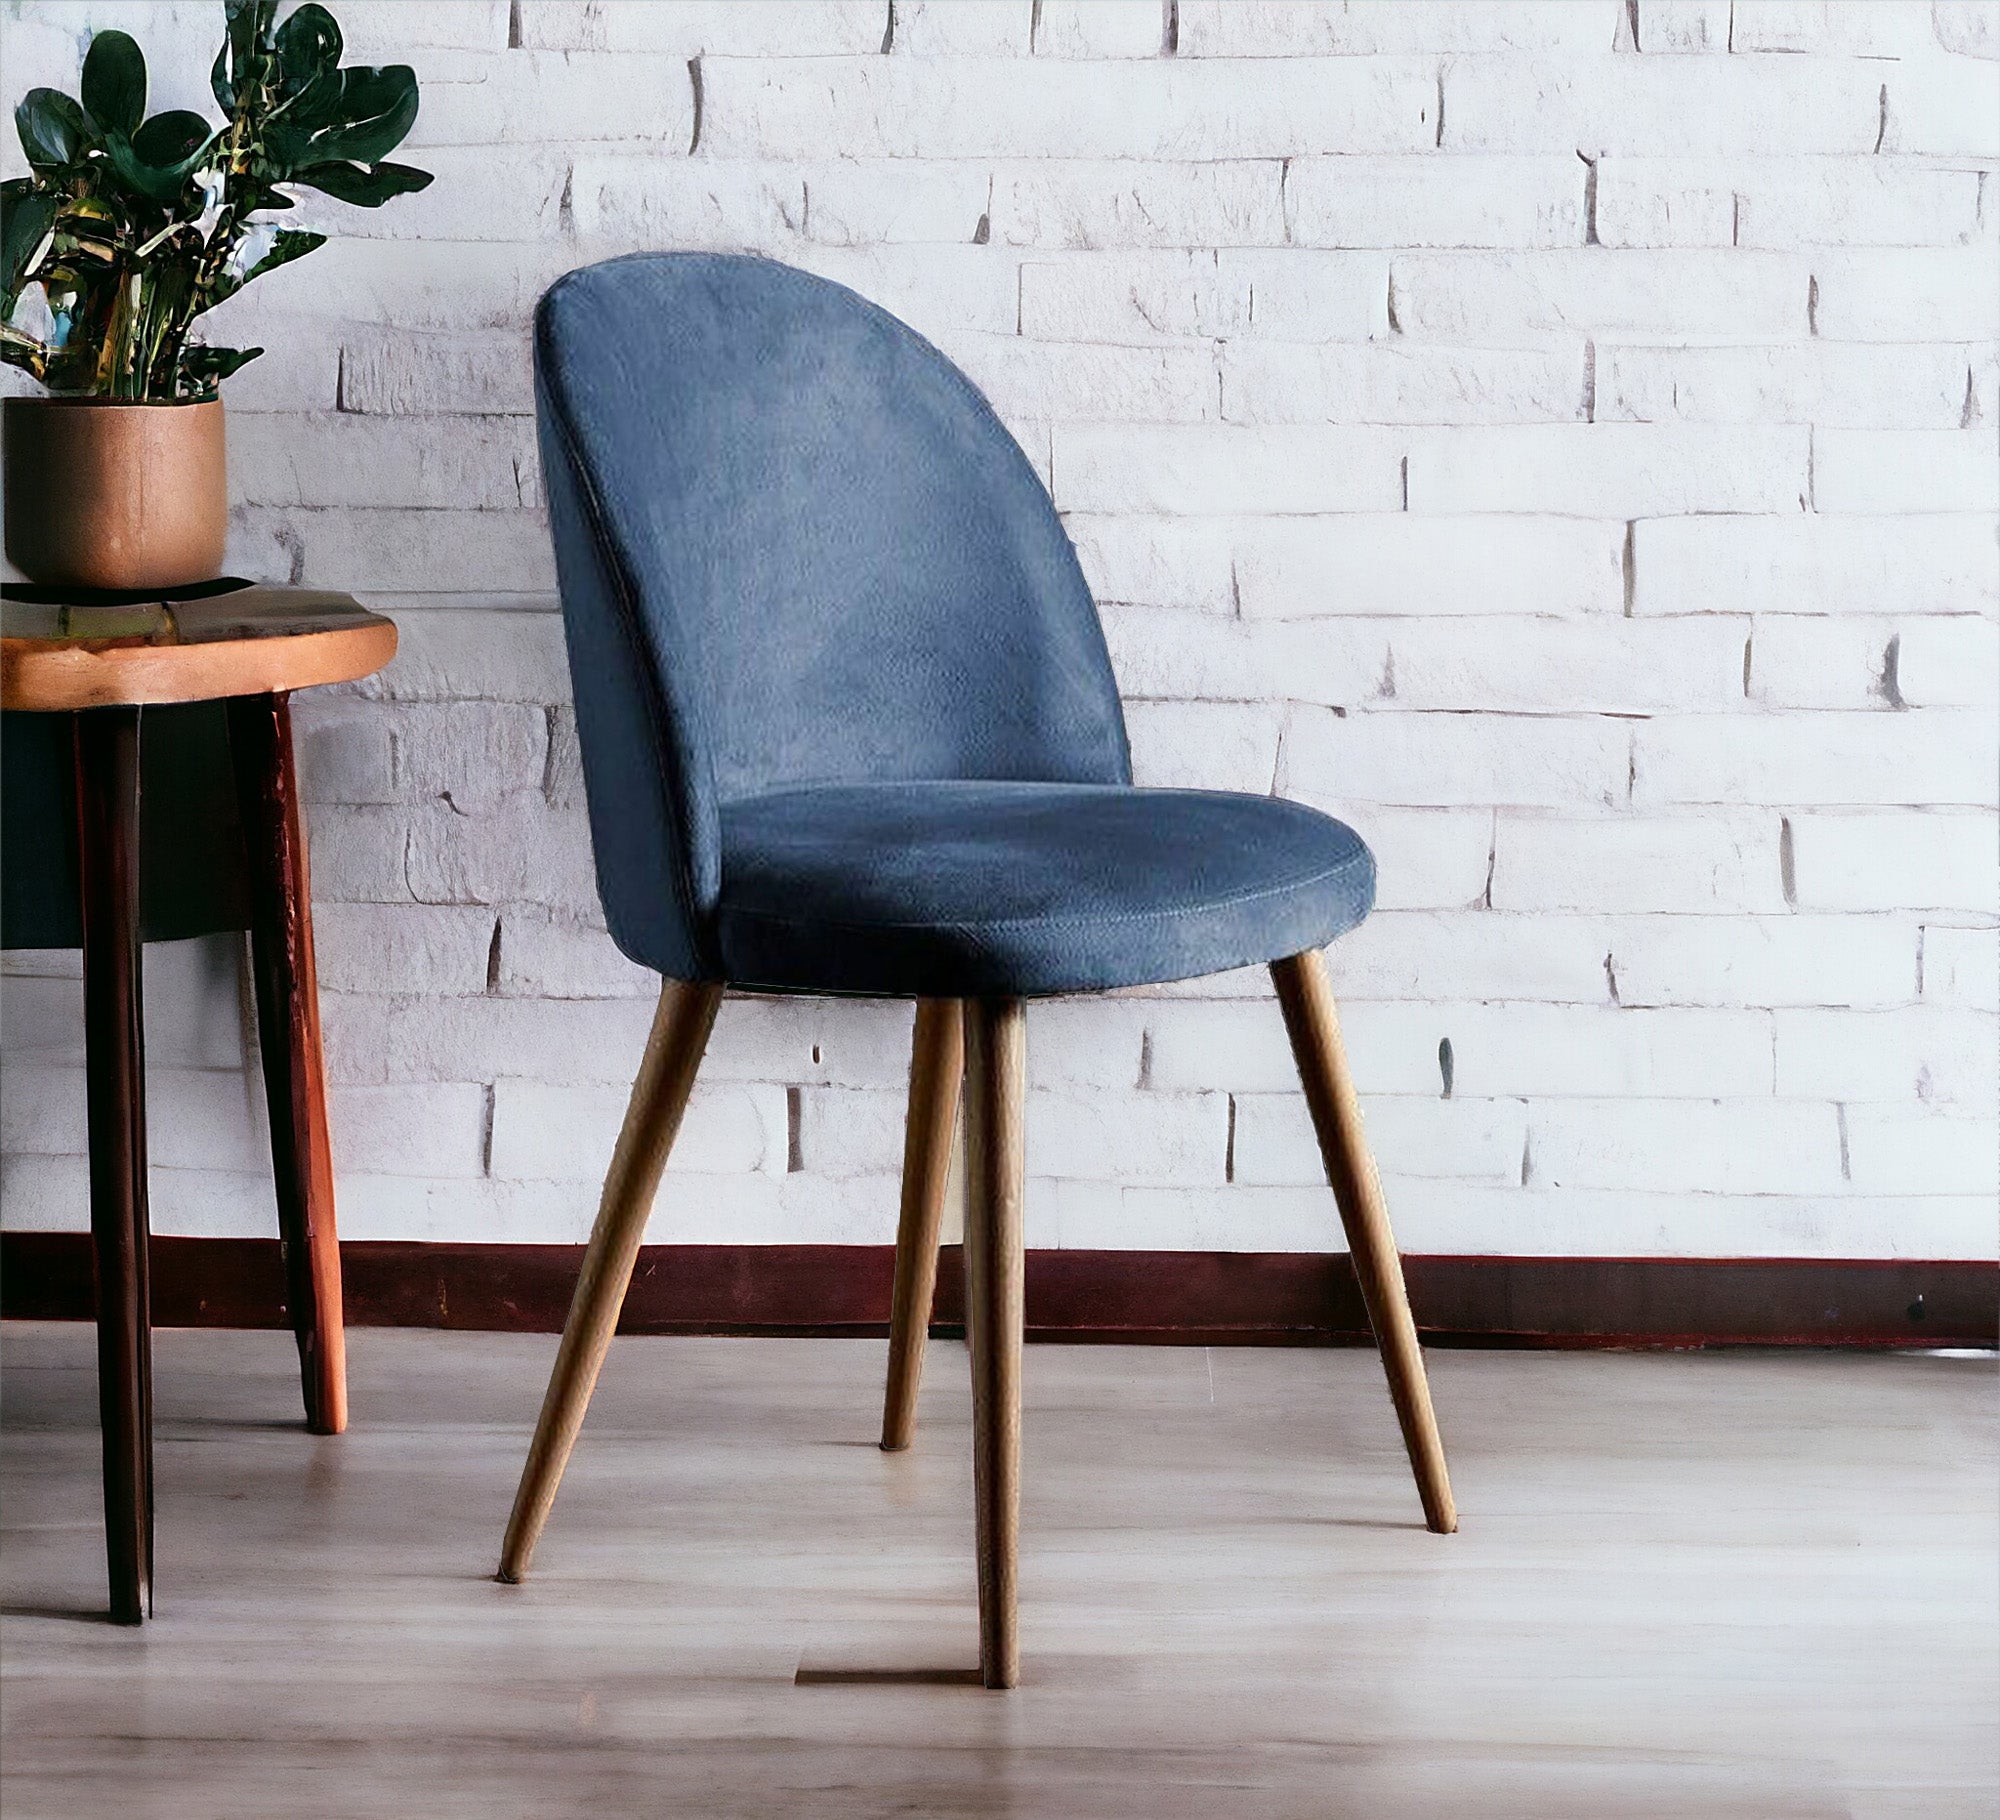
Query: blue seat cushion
{"type": "Point", "coordinates": [973, 888]}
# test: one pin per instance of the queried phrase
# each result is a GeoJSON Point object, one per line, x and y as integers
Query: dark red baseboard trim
{"type": "Point", "coordinates": [1167, 1297]}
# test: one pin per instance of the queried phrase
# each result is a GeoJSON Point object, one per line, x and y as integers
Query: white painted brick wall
{"type": "Point", "coordinates": [1557, 435]}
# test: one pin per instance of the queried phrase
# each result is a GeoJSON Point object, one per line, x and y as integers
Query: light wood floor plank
{"type": "Point", "coordinates": [1711, 1586]}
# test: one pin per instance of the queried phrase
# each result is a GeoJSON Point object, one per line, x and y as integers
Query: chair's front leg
{"type": "Point", "coordinates": [1306, 997]}
{"type": "Point", "coordinates": [659, 1097]}
{"type": "Point", "coordinates": [995, 1170]}
{"type": "Point", "coordinates": [937, 1065]}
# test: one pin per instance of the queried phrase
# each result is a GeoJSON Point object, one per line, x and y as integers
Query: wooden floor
{"type": "Point", "coordinates": [1752, 1585]}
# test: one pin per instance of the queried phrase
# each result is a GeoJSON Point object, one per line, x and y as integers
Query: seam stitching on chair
{"type": "Point", "coordinates": [1081, 922]}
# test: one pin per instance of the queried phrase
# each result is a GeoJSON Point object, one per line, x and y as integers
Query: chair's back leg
{"type": "Point", "coordinates": [995, 1309]}
{"type": "Point", "coordinates": [659, 1096]}
{"type": "Point", "coordinates": [1306, 997]}
{"type": "Point", "coordinates": [937, 1065]}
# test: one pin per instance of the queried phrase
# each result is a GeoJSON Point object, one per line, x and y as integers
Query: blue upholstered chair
{"type": "Point", "coordinates": [849, 726]}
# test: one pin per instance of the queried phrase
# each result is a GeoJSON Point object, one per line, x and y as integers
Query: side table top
{"type": "Point", "coordinates": [66, 649]}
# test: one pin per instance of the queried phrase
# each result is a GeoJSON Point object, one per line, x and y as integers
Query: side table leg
{"type": "Point", "coordinates": [107, 801]}
{"type": "Point", "coordinates": [281, 943]}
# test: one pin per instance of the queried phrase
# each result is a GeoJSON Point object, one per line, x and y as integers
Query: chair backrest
{"type": "Point", "coordinates": [795, 546]}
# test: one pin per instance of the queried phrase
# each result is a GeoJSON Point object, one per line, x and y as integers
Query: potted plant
{"type": "Point", "coordinates": [127, 230]}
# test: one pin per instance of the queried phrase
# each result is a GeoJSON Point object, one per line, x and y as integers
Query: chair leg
{"type": "Point", "coordinates": [288, 1034]}
{"type": "Point", "coordinates": [996, 1085]}
{"type": "Point", "coordinates": [937, 1066]}
{"type": "Point", "coordinates": [1306, 997]}
{"type": "Point", "coordinates": [659, 1096]}
{"type": "Point", "coordinates": [107, 800]}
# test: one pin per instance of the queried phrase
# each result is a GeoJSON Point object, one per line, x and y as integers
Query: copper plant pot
{"type": "Point", "coordinates": [102, 493]}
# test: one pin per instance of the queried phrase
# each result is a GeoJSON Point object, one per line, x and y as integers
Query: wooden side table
{"type": "Point", "coordinates": [100, 661]}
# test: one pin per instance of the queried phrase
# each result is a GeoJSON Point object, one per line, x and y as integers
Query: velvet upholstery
{"type": "Point", "coordinates": [847, 718]}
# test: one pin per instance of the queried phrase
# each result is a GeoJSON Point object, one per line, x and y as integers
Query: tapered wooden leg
{"type": "Point", "coordinates": [937, 1065]}
{"type": "Point", "coordinates": [995, 1104]}
{"type": "Point", "coordinates": [107, 797]}
{"type": "Point", "coordinates": [1306, 997]}
{"type": "Point", "coordinates": [659, 1096]}
{"type": "Point", "coordinates": [288, 1033]}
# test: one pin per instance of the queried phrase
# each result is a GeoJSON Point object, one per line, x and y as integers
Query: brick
{"type": "Point", "coordinates": [1500, 299]}
{"type": "Point", "coordinates": [1610, 470]}
{"type": "Point", "coordinates": [429, 1130]}
{"type": "Point", "coordinates": [1412, 954]}
{"type": "Point", "coordinates": [1969, 28]}
{"type": "Point", "coordinates": [551, 97]}
{"type": "Point", "coordinates": [359, 853]}
{"type": "Point", "coordinates": [1294, 28]}
{"type": "Point", "coordinates": [1056, 203]}
{"type": "Point", "coordinates": [876, 201]}
{"type": "Point", "coordinates": [1784, 203]}
{"type": "Point", "coordinates": [1603, 665]}
{"type": "Point", "coordinates": [414, 948]}
{"type": "Point", "coordinates": [1903, 859]}
{"type": "Point", "coordinates": [383, 550]}
{"type": "Point", "coordinates": [412, 285]}
{"type": "Point", "coordinates": [346, 460]}
{"type": "Point", "coordinates": [1427, 859]}
{"type": "Point", "coordinates": [1423, 1139]}
{"type": "Point", "coordinates": [1436, 760]}
{"type": "Point", "coordinates": [975, 107]}
{"type": "Point", "coordinates": [1938, 755]}
{"type": "Point", "coordinates": [1729, 1147]}
{"type": "Point", "coordinates": [470, 756]}
{"type": "Point", "coordinates": [550, 1133]}
{"type": "Point", "coordinates": [1815, 26]}
{"type": "Point", "coordinates": [545, 955]}
{"type": "Point", "coordinates": [1682, 26]}
{"type": "Point", "coordinates": [1863, 961]}
{"type": "Point", "coordinates": [1943, 108]}
{"type": "Point", "coordinates": [1905, 471]}
{"type": "Point", "coordinates": [1892, 1151]}
{"type": "Point", "coordinates": [1953, 292]}
{"type": "Point", "coordinates": [1099, 28]}
{"type": "Point", "coordinates": [475, 656]}
{"type": "Point", "coordinates": [963, 28]}
{"type": "Point", "coordinates": [1060, 382]}
{"type": "Point", "coordinates": [1937, 1057]}
{"type": "Point", "coordinates": [1815, 565]}
{"type": "Point", "coordinates": [1187, 745]}
{"type": "Point", "coordinates": [1871, 663]}
{"type": "Point", "coordinates": [519, 852]}
{"type": "Point", "coordinates": [1147, 296]}
{"type": "Point", "coordinates": [483, 373]}
{"type": "Point", "coordinates": [1663, 107]}
{"type": "Point", "coordinates": [1834, 384]}
{"type": "Point", "coordinates": [939, 291]}
{"type": "Point", "coordinates": [478, 192]}
{"type": "Point", "coordinates": [644, 201]}
{"type": "Point", "coordinates": [1961, 966]}
{"type": "Point", "coordinates": [342, 750]}
{"type": "Point", "coordinates": [1393, 382]}
{"type": "Point", "coordinates": [1112, 468]}
{"type": "Point", "coordinates": [378, 31]}
{"type": "Point", "coordinates": [1724, 862]}
{"type": "Point", "coordinates": [1179, 1138]}
{"type": "Point", "coordinates": [1436, 202]}
{"type": "Point", "coordinates": [691, 28]}
{"type": "Point", "coordinates": [1948, 661]}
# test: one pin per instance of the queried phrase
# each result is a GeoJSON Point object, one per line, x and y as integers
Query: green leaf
{"type": "Point", "coordinates": [24, 227]}
{"type": "Point", "coordinates": [114, 82]}
{"type": "Point", "coordinates": [162, 155]}
{"type": "Point", "coordinates": [308, 45]}
{"type": "Point", "coordinates": [219, 84]}
{"type": "Point", "coordinates": [377, 109]}
{"type": "Point", "coordinates": [366, 186]}
{"type": "Point", "coordinates": [53, 130]}
{"type": "Point", "coordinates": [204, 368]}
